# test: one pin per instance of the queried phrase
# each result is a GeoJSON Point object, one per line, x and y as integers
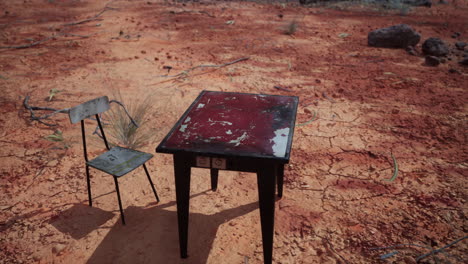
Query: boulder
{"type": "Point", "coordinates": [435, 47]}
{"type": "Point", "coordinates": [426, 3]}
{"type": "Point", "coordinates": [460, 45]}
{"type": "Point", "coordinates": [398, 36]}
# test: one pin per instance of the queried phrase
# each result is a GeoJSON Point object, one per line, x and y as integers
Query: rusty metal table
{"type": "Point", "coordinates": [233, 131]}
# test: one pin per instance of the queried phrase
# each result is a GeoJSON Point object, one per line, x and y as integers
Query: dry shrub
{"type": "Point", "coordinates": [119, 127]}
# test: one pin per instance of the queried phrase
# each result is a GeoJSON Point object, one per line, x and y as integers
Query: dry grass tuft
{"type": "Point", "coordinates": [120, 129]}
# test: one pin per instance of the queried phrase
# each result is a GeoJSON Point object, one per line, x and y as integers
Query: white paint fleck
{"type": "Point", "coordinates": [229, 132]}
{"type": "Point", "coordinates": [238, 140]}
{"type": "Point", "coordinates": [221, 122]}
{"type": "Point", "coordinates": [182, 128]}
{"type": "Point", "coordinates": [280, 142]}
{"type": "Point", "coordinates": [187, 119]}
{"type": "Point", "coordinates": [200, 106]}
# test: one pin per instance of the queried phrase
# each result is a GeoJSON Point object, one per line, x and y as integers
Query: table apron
{"type": "Point", "coordinates": [244, 164]}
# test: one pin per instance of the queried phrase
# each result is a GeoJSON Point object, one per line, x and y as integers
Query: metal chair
{"type": "Point", "coordinates": [117, 161]}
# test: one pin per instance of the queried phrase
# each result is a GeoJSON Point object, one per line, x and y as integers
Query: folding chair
{"type": "Point", "coordinates": [117, 161]}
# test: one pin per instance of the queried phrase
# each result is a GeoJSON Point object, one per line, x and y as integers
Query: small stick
{"type": "Point", "coordinates": [282, 88]}
{"type": "Point", "coordinates": [330, 99]}
{"type": "Point", "coordinates": [310, 121]}
{"type": "Point", "coordinates": [95, 17]}
{"type": "Point", "coordinates": [186, 72]}
{"type": "Point", "coordinates": [395, 169]}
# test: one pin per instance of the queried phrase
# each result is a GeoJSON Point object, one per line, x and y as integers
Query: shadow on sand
{"type": "Point", "coordinates": [151, 234]}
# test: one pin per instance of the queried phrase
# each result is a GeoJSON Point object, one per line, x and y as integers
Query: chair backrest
{"type": "Point", "coordinates": [90, 108]}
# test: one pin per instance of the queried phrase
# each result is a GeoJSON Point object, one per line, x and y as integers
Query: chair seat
{"type": "Point", "coordinates": [119, 161]}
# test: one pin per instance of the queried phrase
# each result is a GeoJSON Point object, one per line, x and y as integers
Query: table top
{"type": "Point", "coordinates": [235, 124]}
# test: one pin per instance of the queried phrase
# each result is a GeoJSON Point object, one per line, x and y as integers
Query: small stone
{"type": "Point", "coordinates": [411, 51]}
{"type": "Point", "coordinates": [57, 249]}
{"type": "Point", "coordinates": [432, 61]}
{"type": "Point", "coordinates": [456, 35]}
{"type": "Point", "coordinates": [442, 60]}
{"type": "Point", "coordinates": [453, 71]}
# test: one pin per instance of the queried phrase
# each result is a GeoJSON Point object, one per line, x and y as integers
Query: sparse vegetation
{"type": "Point", "coordinates": [52, 93]}
{"type": "Point", "coordinates": [291, 28]}
{"type": "Point", "coordinates": [119, 127]}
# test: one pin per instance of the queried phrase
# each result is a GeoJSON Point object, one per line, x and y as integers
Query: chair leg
{"type": "Point", "coordinates": [89, 186]}
{"type": "Point", "coordinates": [151, 183]}
{"type": "Point", "coordinates": [120, 201]}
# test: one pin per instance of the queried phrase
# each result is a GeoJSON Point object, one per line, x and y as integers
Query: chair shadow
{"type": "Point", "coordinates": [151, 236]}
{"type": "Point", "coordinates": [80, 220]}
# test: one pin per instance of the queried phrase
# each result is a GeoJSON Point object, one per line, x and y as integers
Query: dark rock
{"type": "Point", "coordinates": [427, 3]}
{"type": "Point", "coordinates": [456, 35]}
{"type": "Point", "coordinates": [398, 36]}
{"type": "Point", "coordinates": [464, 62]}
{"type": "Point", "coordinates": [306, 2]}
{"type": "Point", "coordinates": [454, 70]}
{"type": "Point", "coordinates": [435, 47]}
{"type": "Point", "coordinates": [443, 2]}
{"type": "Point", "coordinates": [432, 61]}
{"type": "Point", "coordinates": [442, 60]}
{"type": "Point", "coordinates": [460, 45]}
{"type": "Point", "coordinates": [411, 51]}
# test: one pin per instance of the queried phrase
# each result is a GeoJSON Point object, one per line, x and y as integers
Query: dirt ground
{"type": "Point", "coordinates": [366, 105]}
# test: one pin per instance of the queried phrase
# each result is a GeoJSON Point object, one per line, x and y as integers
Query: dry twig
{"type": "Point", "coordinates": [39, 118]}
{"type": "Point", "coordinates": [95, 17]}
{"type": "Point", "coordinates": [186, 72]}
{"type": "Point", "coordinates": [23, 46]}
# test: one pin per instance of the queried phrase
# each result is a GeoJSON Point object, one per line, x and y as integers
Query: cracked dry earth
{"type": "Point", "coordinates": [366, 104]}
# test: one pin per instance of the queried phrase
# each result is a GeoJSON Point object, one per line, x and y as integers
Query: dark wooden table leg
{"type": "Point", "coordinates": [214, 179]}
{"type": "Point", "coordinates": [280, 179]}
{"type": "Point", "coordinates": [266, 193]}
{"type": "Point", "coordinates": [182, 183]}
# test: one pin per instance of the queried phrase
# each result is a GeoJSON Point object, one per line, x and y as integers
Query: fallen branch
{"type": "Point", "coordinates": [30, 44]}
{"type": "Point", "coordinates": [186, 72]}
{"type": "Point", "coordinates": [191, 11]}
{"type": "Point", "coordinates": [23, 46]}
{"type": "Point", "coordinates": [39, 118]}
{"type": "Point", "coordinates": [95, 17]}
{"type": "Point", "coordinates": [440, 249]}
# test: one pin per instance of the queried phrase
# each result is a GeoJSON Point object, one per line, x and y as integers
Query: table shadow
{"type": "Point", "coordinates": [151, 236]}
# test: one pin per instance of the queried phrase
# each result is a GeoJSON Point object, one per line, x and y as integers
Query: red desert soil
{"type": "Point", "coordinates": [369, 104]}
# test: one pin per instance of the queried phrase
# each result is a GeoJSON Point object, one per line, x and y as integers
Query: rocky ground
{"type": "Point", "coordinates": [363, 110]}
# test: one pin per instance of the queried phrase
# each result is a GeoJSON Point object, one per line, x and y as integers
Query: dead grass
{"type": "Point", "coordinates": [120, 129]}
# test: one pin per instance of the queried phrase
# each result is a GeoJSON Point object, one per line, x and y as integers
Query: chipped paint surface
{"type": "Point", "coordinates": [234, 123]}
{"type": "Point", "coordinates": [238, 140]}
{"type": "Point", "coordinates": [280, 142]}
